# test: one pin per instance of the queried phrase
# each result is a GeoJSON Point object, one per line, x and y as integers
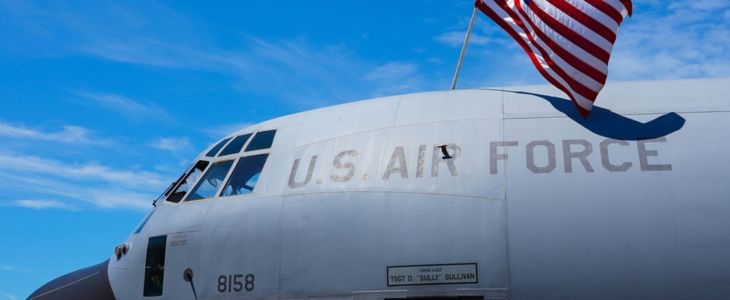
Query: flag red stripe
{"type": "Point", "coordinates": [607, 9]}
{"type": "Point", "coordinates": [585, 19]}
{"type": "Point", "coordinates": [628, 5]}
{"type": "Point", "coordinates": [569, 34]}
{"type": "Point", "coordinates": [568, 57]}
{"type": "Point", "coordinates": [572, 82]}
{"type": "Point", "coordinates": [494, 16]}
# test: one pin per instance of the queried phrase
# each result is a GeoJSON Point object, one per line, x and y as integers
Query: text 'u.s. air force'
{"type": "Point", "coordinates": [539, 156]}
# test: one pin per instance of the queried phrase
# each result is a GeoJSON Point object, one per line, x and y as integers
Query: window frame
{"type": "Point", "coordinates": [225, 141]}
{"type": "Point", "coordinates": [243, 147]}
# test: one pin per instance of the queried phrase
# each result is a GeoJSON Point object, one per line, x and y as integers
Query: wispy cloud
{"type": "Point", "coordinates": [455, 39]}
{"type": "Point", "coordinates": [69, 134]}
{"type": "Point", "coordinates": [12, 268]}
{"type": "Point", "coordinates": [223, 130]}
{"type": "Point", "coordinates": [172, 144]}
{"type": "Point", "coordinates": [125, 106]}
{"type": "Point", "coordinates": [106, 196]}
{"type": "Point", "coordinates": [8, 296]}
{"type": "Point", "coordinates": [395, 77]}
{"type": "Point", "coordinates": [117, 198]}
{"type": "Point", "coordinates": [675, 40]}
{"type": "Point", "coordinates": [66, 183]}
{"type": "Point", "coordinates": [315, 74]}
{"type": "Point", "coordinates": [44, 204]}
{"type": "Point", "coordinates": [88, 172]}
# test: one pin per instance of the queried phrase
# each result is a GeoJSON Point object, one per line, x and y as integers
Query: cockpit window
{"type": "Point", "coordinates": [184, 185]}
{"type": "Point", "coordinates": [213, 151]}
{"type": "Point", "coordinates": [262, 140]}
{"type": "Point", "coordinates": [235, 145]}
{"type": "Point", "coordinates": [245, 175]}
{"type": "Point", "coordinates": [211, 180]}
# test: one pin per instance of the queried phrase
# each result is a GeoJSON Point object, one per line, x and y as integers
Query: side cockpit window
{"type": "Point", "coordinates": [184, 184]}
{"type": "Point", "coordinates": [208, 185]}
{"type": "Point", "coordinates": [245, 175]}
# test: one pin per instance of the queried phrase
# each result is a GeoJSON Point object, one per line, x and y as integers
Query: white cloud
{"type": "Point", "coordinates": [107, 196]}
{"type": "Point", "coordinates": [395, 78]}
{"type": "Point", "coordinates": [57, 184]}
{"type": "Point", "coordinates": [226, 129]}
{"type": "Point", "coordinates": [115, 198]}
{"type": "Point", "coordinates": [12, 268]}
{"type": "Point", "coordinates": [300, 73]}
{"type": "Point", "coordinates": [698, 4]}
{"type": "Point", "coordinates": [8, 296]}
{"type": "Point", "coordinates": [125, 106]}
{"type": "Point", "coordinates": [678, 41]}
{"type": "Point", "coordinates": [172, 144]}
{"type": "Point", "coordinates": [69, 134]}
{"type": "Point", "coordinates": [43, 204]}
{"type": "Point", "coordinates": [91, 172]}
{"type": "Point", "coordinates": [391, 71]}
{"type": "Point", "coordinates": [455, 39]}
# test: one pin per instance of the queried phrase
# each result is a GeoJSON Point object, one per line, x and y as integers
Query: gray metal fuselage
{"type": "Point", "coordinates": [632, 202]}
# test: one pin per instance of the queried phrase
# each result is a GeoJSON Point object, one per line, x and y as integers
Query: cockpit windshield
{"type": "Point", "coordinates": [245, 175]}
{"type": "Point", "coordinates": [211, 181]}
{"type": "Point", "coordinates": [207, 177]}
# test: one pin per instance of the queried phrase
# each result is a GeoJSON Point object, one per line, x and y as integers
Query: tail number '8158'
{"type": "Point", "coordinates": [235, 283]}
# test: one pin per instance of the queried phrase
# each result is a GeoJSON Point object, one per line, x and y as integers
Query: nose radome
{"type": "Point", "coordinates": [87, 283]}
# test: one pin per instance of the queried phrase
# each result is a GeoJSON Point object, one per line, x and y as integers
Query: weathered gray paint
{"type": "Point", "coordinates": [397, 164]}
{"type": "Point", "coordinates": [337, 163]}
{"type": "Point", "coordinates": [650, 221]}
{"type": "Point", "coordinates": [644, 155]}
{"type": "Point", "coordinates": [421, 160]}
{"type": "Point", "coordinates": [495, 156]}
{"type": "Point", "coordinates": [295, 167]}
{"type": "Point", "coordinates": [437, 158]}
{"type": "Point", "coordinates": [550, 148]}
{"type": "Point", "coordinates": [582, 155]}
{"type": "Point", "coordinates": [605, 157]}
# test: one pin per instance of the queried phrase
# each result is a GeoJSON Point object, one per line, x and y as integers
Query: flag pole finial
{"type": "Point", "coordinates": [463, 49]}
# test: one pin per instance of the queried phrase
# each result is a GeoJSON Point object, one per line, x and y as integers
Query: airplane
{"type": "Point", "coordinates": [495, 193]}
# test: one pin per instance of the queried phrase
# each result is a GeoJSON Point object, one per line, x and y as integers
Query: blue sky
{"type": "Point", "coordinates": [102, 104]}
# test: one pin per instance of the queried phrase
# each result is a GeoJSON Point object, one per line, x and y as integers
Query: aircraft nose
{"type": "Point", "coordinates": [87, 283]}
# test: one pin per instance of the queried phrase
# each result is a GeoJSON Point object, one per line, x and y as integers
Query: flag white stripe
{"type": "Point", "coordinates": [580, 100]}
{"type": "Point", "coordinates": [595, 13]}
{"type": "Point", "coordinates": [566, 44]}
{"type": "Point", "coordinates": [576, 26]}
{"type": "Point", "coordinates": [576, 74]}
{"type": "Point", "coordinates": [618, 6]}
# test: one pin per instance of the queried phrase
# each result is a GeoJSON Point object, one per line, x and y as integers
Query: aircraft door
{"type": "Point", "coordinates": [182, 272]}
{"type": "Point", "coordinates": [170, 266]}
{"type": "Point", "coordinates": [170, 253]}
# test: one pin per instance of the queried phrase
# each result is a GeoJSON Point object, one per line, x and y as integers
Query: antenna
{"type": "Point", "coordinates": [188, 276]}
{"type": "Point", "coordinates": [463, 48]}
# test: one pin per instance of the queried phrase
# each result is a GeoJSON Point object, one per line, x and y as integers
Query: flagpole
{"type": "Point", "coordinates": [463, 48]}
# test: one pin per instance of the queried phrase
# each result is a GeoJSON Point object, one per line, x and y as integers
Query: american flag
{"type": "Point", "coordinates": [569, 41]}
